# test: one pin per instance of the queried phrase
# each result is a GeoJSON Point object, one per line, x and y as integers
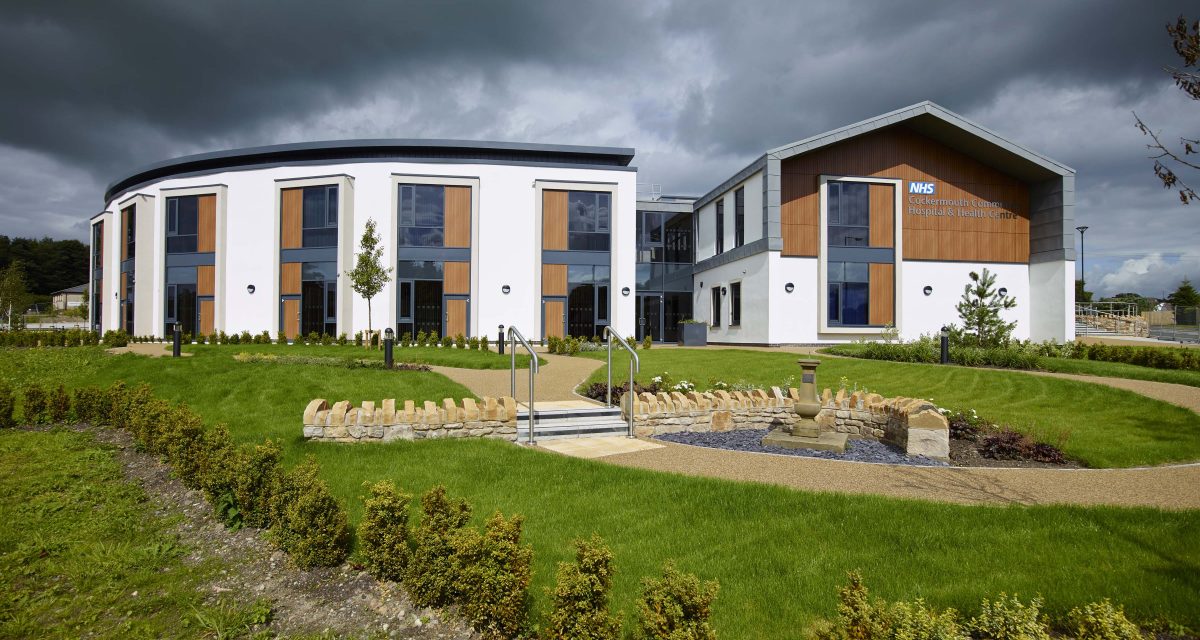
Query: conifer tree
{"type": "Point", "coordinates": [980, 309]}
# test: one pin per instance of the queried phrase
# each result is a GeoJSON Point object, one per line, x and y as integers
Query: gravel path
{"type": "Point", "coordinates": [556, 380]}
{"type": "Point", "coordinates": [1175, 487]}
{"type": "Point", "coordinates": [751, 440]}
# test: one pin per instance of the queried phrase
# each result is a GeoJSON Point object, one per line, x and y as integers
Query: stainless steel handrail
{"type": "Point", "coordinates": [635, 365]}
{"type": "Point", "coordinates": [514, 337]}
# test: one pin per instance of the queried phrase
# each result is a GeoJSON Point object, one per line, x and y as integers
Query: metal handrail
{"type": "Point", "coordinates": [514, 337]}
{"type": "Point", "coordinates": [635, 365]}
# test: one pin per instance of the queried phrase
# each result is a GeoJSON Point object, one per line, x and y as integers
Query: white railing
{"type": "Point", "coordinates": [635, 365]}
{"type": "Point", "coordinates": [515, 337]}
{"type": "Point", "coordinates": [1118, 318]}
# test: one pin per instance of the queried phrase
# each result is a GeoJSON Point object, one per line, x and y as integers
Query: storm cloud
{"type": "Point", "coordinates": [699, 88]}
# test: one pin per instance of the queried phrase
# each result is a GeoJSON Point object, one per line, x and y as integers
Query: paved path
{"type": "Point", "coordinates": [556, 379]}
{"type": "Point", "coordinates": [152, 349]}
{"type": "Point", "coordinates": [1175, 487]}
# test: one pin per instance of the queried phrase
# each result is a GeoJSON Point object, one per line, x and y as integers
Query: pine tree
{"type": "Point", "coordinates": [369, 275]}
{"type": "Point", "coordinates": [980, 309]}
{"type": "Point", "coordinates": [1185, 295]}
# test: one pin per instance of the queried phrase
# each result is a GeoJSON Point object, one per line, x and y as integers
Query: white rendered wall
{"type": "Point", "coordinates": [144, 270]}
{"type": "Point", "coordinates": [707, 226]}
{"type": "Point", "coordinates": [505, 253]}
{"type": "Point", "coordinates": [795, 315]}
{"type": "Point", "coordinates": [753, 273]}
{"type": "Point", "coordinates": [927, 314]}
{"type": "Point", "coordinates": [1052, 286]}
{"type": "Point", "coordinates": [706, 245]}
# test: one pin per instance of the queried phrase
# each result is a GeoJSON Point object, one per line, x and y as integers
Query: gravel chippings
{"type": "Point", "coordinates": [751, 440]}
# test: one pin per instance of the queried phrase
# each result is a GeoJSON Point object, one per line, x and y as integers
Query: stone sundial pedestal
{"type": "Point", "coordinates": [805, 433]}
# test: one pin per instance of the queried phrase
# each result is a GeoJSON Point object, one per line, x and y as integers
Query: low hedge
{"type": "Point", "coordinates": [55, 338]}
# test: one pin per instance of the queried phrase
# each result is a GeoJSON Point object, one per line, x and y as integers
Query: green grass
{"type": "Point", "coordinates": [77, 542]}
{"type": "Point", "coordinates": [437, 356]}
{"type": "Point", "coordinates": [1098, 425]}
{"type": "Point", "coordinates": [1121, 370]}
{"type": "Point", "coordinates": [779, 554]}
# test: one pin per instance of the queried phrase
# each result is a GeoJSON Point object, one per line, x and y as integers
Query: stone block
{"type": "Point", "coordinates": [931, 443]}
{"type": "Point", "coordinates": [388, 411]}
{"type": "Point", "coordinates": [722, 420]}
{"type": "Point", "coordinates": [323, 418]}
{"type": "Point", "coordinates": [337, 415]}
{"type": "Point", "coordinates": [315, 406]}
{"type": "Point", "coordinates": [826, 398]}
{"type": "Point", "coordinates": [410, 411]}
{"type": "Point", "coordinates": [336, 432]}
{"type": "Point", "coordinates": [510, 409]}
{"type": "Point", "coordinates": [839, 400]}
{"type": "Point", "coordinates": [314, 432]}
{"type": "Point", "coordinates": [357, 431]}
{"type": "Point", "coordinates": [367, 411]}
{"type": "Point", "coordinates": [450, 409]}
{"type": "Point", "coordinates": [470, 409]}
{"type": "Point", "coordinates": [397, 432]}
{"type": "Point", "coordinates": [928, 419]}
{"type": "Point", "coordinates": [375, 431]}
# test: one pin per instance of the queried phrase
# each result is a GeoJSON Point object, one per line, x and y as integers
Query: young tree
{"type": "Point", "coordinates": [980, 309]}
{"type": "Point", "coordinates": [1168, 163]}
{"type": "Point", "coordinates": [369, 275]}
{"type": "Point", "coordinates": [13, 295]}
{"type": "Point", "coordinates": [1081, 294]}
{"type": "Point", "coordinates": [1185, 295]}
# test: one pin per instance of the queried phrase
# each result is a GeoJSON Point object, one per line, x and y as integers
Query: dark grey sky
{"type": "Point", "coordinates": [699, 88]}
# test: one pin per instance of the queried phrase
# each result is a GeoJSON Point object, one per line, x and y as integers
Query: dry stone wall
{"type": "Point", "coordinates": [489, 418]}
{"type": "Point", "coordinates": [912, 424]}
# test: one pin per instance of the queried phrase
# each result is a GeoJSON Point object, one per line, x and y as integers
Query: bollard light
{"type": "Point", "coordinates": [945, 344]}
{"type": "Point", "coordinates": [388, 337]}
{"type": "Point", "coordinates": [176, 339]}
{"type": "Point", "coordinates": [500, 340]}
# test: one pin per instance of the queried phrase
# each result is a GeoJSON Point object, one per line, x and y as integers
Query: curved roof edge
{"type": "Point", "coordinates": [381, 149]}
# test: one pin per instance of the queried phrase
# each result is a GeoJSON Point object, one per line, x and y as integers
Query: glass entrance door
{"type": "Point", "coordinates": [649, 316]}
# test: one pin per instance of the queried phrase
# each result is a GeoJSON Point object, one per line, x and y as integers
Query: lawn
{"type": "Point", "coordinates": [437, 356]}
{"type": "Point", "coordinates": [1103, 427]}
{"type": "Point", "coordinates": [779, 554]}
{"type": "Point", "coordinates": [1121, 370]}
{"type": "Point", "coordinates": [82, 553]}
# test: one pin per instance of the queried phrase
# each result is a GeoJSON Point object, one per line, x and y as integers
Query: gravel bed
{"type": "Point", "coordinates": [751, 440]}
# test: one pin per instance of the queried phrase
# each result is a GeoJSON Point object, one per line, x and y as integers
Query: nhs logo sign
{"type": "Point", "coordinates": [923, 188]}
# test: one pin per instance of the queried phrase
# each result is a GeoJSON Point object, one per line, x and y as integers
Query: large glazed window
{"type": "Point", "coordinates": [849, 214]}
{"type": "Point", "coordinates": [587, 299]}
{"type": "Point", "coordinates": [183, 215]}
{"type": "Point", "coordinates": [422, 216]}
{"type": "Point", "coordinates": [320, 216]}
{"type": "Point", "coordinates": [849, 293]}
{"type": "Point", "coordinates": [589, 218]}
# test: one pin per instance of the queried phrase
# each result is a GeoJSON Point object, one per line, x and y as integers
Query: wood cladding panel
{"type": "Point", "coordinates": [554, 220]}
{"type": "Point", "coordinates": [206, 280]}
{"type": "Point", "coordinates": [456, 317]}
{"type": "Point", "coordinates": [553, 319]}
{"type": "Point", "coordinates": [883, 215]}
{"type": "Point", "coordinates": [458, 216]}
{"type": "Point", "coordinates": [554, 279]}
{"type": "Point", "coordinates": [206, 317]}
{"type": "Point", "coordinates": [289, 279]}
{"type": "Point", "coordinates": [126, 214]}
{"type": "Point", "coordinates": [125, 285]}
{"type": "Point", "coordinates": [881, 304]}
{"type": "Point", "coordinates": [291, 218]}
{"type": "Point", "coordinates": [900, 153]}
{"type": "Point", "coordinates": [457, 278]}
{"type": "Point", "coordinates": [291, 318]}
{"type": "Point", "coordinates": [206, 240]}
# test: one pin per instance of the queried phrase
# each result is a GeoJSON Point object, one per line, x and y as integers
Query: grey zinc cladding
{"type": "Point", "coordinates": [331, 151]}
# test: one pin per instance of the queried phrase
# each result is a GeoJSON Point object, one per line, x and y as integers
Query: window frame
{"type": "Point", "coordinates": [720, 226]}
{"type": "Point", "coordinates": [739, 217]}
{"type": "Point", "coordinates": [714, 310]}
{"type": "Point", "coordinates": [401, 239]}
{"type": "Point", "coordinates": [330, 217]}
{"type": "Point", "coordinates": [735, 304]}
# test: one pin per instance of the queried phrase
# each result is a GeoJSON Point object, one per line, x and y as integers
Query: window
{"type": "Point", "coordinates": [130, 232]}
{"type": "Point", "coordinates": [739, 217]}
{"type": "Point", "coordinates": [735, 304]}
{"type": "Point", "coordinates": [664, 238]}
{"type": "Point", "coordinates": [720, 227]}
{"type": "Point", "coordinates": [422, 218]}
{"type": "Point", "coordinates": [849, 293]}
{"type": "Point", "coordinates": [716, 306]}
{"type": "Point", "coordinates": [98, 246]}
{"type": "Point", "coordinates": [183, 214]}
{"type": "Point", "coordinates": [587, 299]}
{"type": "Point", "coordinates": [320, 216]}
{"type": "Point", "coordinates": [589, 215]}
{"type": "Point", "coordinates": [849, 213]}
{"type": "Point", "coordinates": [318, 298]}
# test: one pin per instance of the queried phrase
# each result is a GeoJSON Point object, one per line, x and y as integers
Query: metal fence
{"type": "Point", "coordinates": [1181, 324]}
{"type": "Point", "coordinates": [1109, 319]}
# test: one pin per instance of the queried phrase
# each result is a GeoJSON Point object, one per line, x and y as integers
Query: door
{"type": "Point", "coordinates": [291, 318]}
{"type": "Point", "coordinates": [456, 316]}
{"type": "Point", "coordinates": [554, 318]}
{"type": "Point", "coordinates": [649, 316]}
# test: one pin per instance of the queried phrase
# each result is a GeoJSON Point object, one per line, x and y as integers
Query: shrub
{"type": "Point", "coordinates": [676, 607]}
{"type": "Point", "coordinates": [90, 406]}
{"type": "Point", "coordinates": [8, 404]}
{"type": "Point", "coordinates": [307, 520]}
{"type": "Point", "coordinates": [58, 406]}
{"type": "Point", "coordinates": [1102, 621]}
{"type": "Point", "coordinates": [430, 576]}
{"type": "Point", "coordinates": [460, 341]}
{"type": "Point", "coordinates": [257, 477]}
{"type": "Point", "coordinates": [632, 342]}
{"type": "Point", "coordinates": [146, 423]}
{"type": "Point", "coordinates": [1007, 444]}
{"type": "Point", "coordinates": [483, 342]}
{"type": "Point", "coordinates": [183, 444]}
{"type": "Point", "coordinates": [422, 339]}
{"type": "Point", "coordinates": [447, 341]}
{"type": "Point", "coordinates": [647, 341]}
{"type": "Point", "coordinates": [1008, 618]}
{"type": "Point", "coordinates": [201, 338]}
{"type": "Point", "coordinates": [580, 596]}
{"type": "Point", "coordinates": [341, 339]}
{"type": "Point", "coordinates": [493, 577]}
{"type": "Point", "coordinates": [281, 337]}
{"type": "Point", "coordinates": [218, 464]}
{"type": "Point", "coordinates": [406, 339]}
{"type": "Point", "coordinates": [326, 339]}
{"type": "Point", "coordinates": [916, 621]}
{"type": "Point", "coordinates": [383, 531]}
{"type": "Point", "coordinates": [315, 338]}
{"type": "Point", "coordinates": [116, 338]}
{"type": "Point", "coordinates": [473, 343]}
{"type": "Point", "coordinates": [34, 409]}
{"type": "Point", "coordinates": [860, 618]}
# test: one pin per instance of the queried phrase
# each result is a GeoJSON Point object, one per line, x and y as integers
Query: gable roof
{"type": "Point", "coordinates": [79, 288]}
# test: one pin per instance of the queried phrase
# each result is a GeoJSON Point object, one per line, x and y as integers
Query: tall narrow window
{"type": "Point", "coordinates": [716, 306]}
{"type": "Point", "coordinates": [735, 304]}
{"type": "Point", "coordinates": [130, 232]}
{"type": "Point", "coordinates": [98, 245]}
{"type": "Point", "coordinates": [320, 216]}
{"type": "Point", "coordinates": [721, 226]}
{"type": "Point", "coordinates": [739, 217]}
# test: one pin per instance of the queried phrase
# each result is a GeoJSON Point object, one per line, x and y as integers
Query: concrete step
{"type": "Point", "coordinates": [572, 423]}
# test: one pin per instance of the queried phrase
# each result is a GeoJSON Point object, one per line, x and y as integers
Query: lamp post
{"type": "Point", "coordinates": [388, 336]}
{"type": "Point", "coordinates": [945, 344]}
{"type": "Point", "coordinates": [500, 340]}
{"type": "Point", "coordinates": [1082, 264]}
{"type": "Point", "coordinates": [176, 340]}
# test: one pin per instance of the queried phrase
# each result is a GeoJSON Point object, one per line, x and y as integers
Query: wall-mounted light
{"type": "Point", "coordinates": [789, 287]}
{"type": "Point", "coordinates": [1003, 291]}
{"type": "Point", "coordinates": [505, 289]}
{"type": "Point", "coordinates": [625, 291]}
{"type": "Point", "coordinates": [928, 290]}
{"type": "Point", "coordinates": [701, 284]}
{"type": "Point", "coordinates": [250, 289]}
